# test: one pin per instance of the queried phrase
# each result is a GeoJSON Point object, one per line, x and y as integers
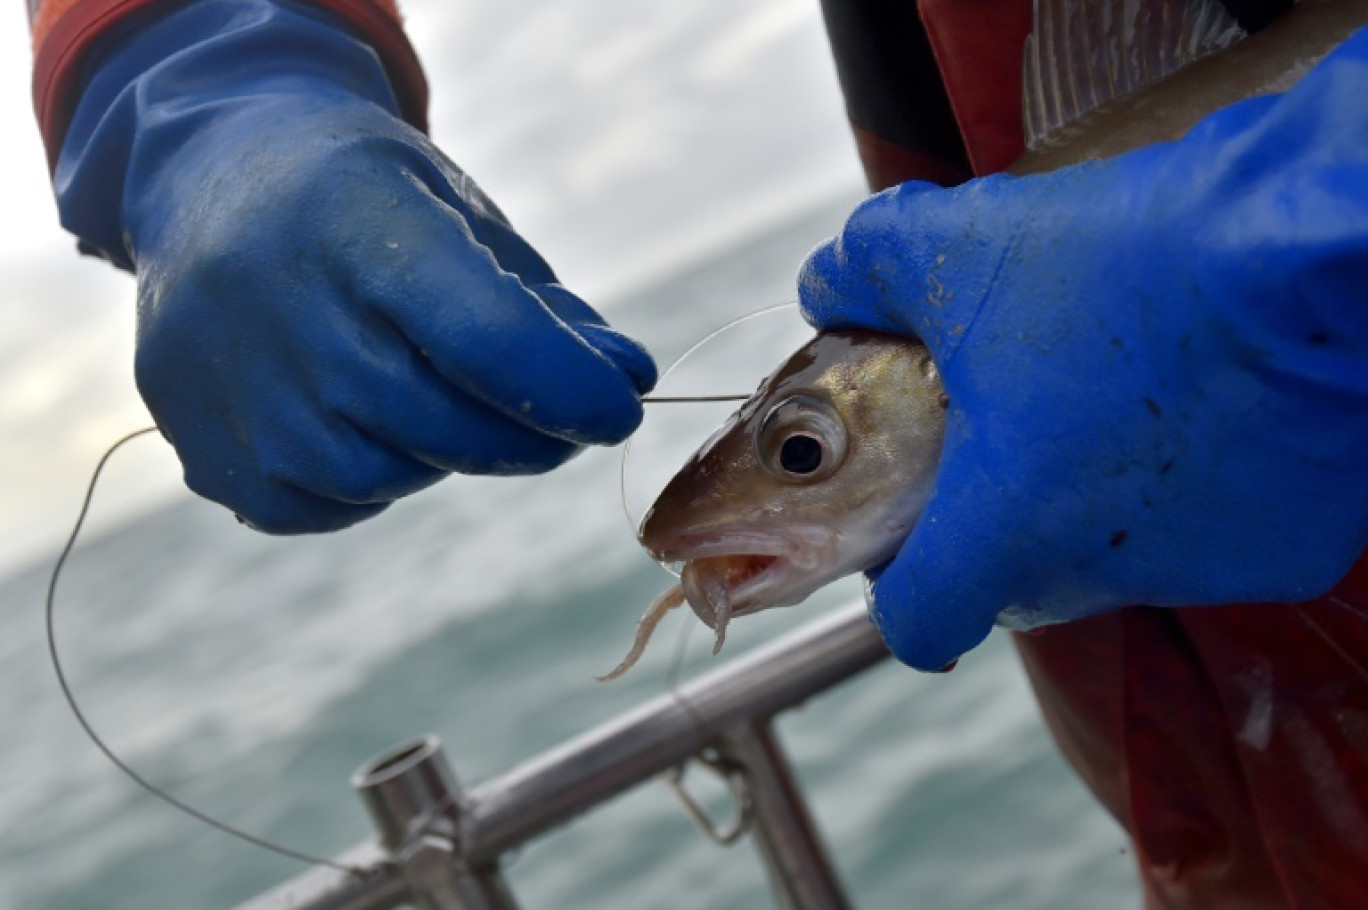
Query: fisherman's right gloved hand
{"type": "Point", "coordinates": [1157, 369]}
{"type": "Point", "coordinates": [330, 314]}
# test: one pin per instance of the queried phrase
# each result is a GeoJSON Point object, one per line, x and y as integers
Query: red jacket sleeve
{"type": "Point", "coordinates": [64, 31]}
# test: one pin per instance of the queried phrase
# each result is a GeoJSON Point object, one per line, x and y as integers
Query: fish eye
{"type": "Point", "coordinates": [800, 454]}
{"type": "Point", "coordinates": [802, 439]}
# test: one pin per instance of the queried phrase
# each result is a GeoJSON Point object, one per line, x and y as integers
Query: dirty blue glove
{"type": "Point", "coordinates": [1157, 369]}
{"type": "Point", "coordinates": [330, 314]}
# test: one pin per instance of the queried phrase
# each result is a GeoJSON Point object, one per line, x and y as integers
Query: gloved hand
{"type": "Point", "coordinates": [1157, 369]}
{"type": "Point", "coordinates": [330, 314]}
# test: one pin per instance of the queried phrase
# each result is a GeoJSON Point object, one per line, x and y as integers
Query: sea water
{"type": "Point", "coordinates": [250, 676]}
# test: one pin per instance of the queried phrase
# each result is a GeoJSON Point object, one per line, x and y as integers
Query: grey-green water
{"type": "Point", "coordinates": [251, 675]}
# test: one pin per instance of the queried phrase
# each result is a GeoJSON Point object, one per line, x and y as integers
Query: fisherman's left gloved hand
{"type": "Point", "coordinates": [1157, 369]}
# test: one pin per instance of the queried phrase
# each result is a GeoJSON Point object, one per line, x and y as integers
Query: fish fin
{"type": "Point", "coordinates": [1082, 54]}
{"type": "Point", "coordinates": [663, 604]}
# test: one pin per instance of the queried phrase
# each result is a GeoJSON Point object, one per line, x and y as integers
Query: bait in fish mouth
{"type": "Point", "coordinates": [820, 474]}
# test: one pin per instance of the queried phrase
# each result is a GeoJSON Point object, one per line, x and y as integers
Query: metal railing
{"type": "Point", "coordinates": [438, 847]}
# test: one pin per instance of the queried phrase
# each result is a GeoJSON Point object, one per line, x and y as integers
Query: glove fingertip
{"type": "Point", "coordinates": [940, 594]}
{"type": "Point", "coordinates": [818, 300]}
{"type": "Point", "coordinates": [921, 630]}
{"type": "Point", "coordinates": [626, 354]}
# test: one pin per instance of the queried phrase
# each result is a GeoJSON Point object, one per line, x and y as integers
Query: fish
{"type": "Point", "coordinates": [752, 535]}
{"type": "Point", "coordinates": [821, 473]}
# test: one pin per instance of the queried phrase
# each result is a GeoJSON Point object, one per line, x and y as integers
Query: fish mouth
{"type": "Point", "coordinates": [736, 572]}
{"type": "Point", "coordinates": [713, 581]}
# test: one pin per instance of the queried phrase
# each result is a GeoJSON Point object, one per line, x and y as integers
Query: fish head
{"type": "Point", "coordinates": [821, 473]}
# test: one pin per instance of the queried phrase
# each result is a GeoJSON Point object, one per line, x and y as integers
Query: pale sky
{"type": "Point", "coordinates": [621, 138]}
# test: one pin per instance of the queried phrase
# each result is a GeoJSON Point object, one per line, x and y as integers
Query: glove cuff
{"type": "Point", "coordinates": [67, 32]}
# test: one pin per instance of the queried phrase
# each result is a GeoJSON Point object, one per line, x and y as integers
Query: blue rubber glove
{"type": "Point", "coordinates": [330, 314]}
{"type": "Point", "coordinates": [1157, 369]}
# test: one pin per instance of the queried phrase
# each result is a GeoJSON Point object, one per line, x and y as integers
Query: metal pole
{"type": "Point", "coordinates": [379, 886]}
{"type": "Point", "coordinates": [801, 875]}
{"type": "Point", "coordinates": [505, 812]}
{"type": "Point", "coordinates": [636, 746]}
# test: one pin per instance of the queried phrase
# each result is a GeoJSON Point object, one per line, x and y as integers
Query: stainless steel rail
{"type": "Point", "coordinates": [438, 847]}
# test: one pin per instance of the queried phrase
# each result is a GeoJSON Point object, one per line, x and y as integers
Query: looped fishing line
{"type": "Point", "coordinates": [689, 399]}
{"type": "Point", "coordinates": [49, 614]}
{"type": "Point", "coordinates": [676, 663]}
{"type": "Point", "coordinates": [49, 610]}
{"type": "Point", "coordinates": [675, 666]}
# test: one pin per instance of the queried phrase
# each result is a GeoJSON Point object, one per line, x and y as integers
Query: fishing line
{"type": "Point", "coordinates": [677, 660]}
{"type": "Point", "coordinates": [731, 773]}
{"type": "Point", "coordinates": [689, 399]}
{"type": "Point", "coordinates": [672, 679]}
{"type": "Point", "coordinates": [48, 612]}
{"type": "Point", "coordinates": [672, 685]}
{"type": "Point", "coordinates": [1329, 639]}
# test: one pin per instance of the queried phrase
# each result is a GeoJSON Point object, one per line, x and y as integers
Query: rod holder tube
{"type": "Point", "coordinates": [409, 790]}
{"type": "Point", "coordinates": [415, 802]}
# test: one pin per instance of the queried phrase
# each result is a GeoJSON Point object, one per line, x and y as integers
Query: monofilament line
{"type": "Point", "coordinates": [690, 399]}
{"type": "Point", "coordinates": [90, 731]}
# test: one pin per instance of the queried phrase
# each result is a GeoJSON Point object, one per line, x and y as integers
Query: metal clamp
{"type": "Point", "coordinates": [734, 776]}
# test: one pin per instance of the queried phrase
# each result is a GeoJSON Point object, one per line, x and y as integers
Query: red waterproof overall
{"type": "Point", "coordinates": [1231, 742]}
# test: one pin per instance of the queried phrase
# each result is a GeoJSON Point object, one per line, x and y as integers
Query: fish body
{"type": "Point", "coordinates": [819, 474]}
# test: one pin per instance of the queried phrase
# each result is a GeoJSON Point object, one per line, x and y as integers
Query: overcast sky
{"type": "Point", "coordinates": [621, 137]}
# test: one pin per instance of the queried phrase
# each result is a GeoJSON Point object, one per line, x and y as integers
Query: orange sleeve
{"type": "Point", "coordinates": [64, 31]}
